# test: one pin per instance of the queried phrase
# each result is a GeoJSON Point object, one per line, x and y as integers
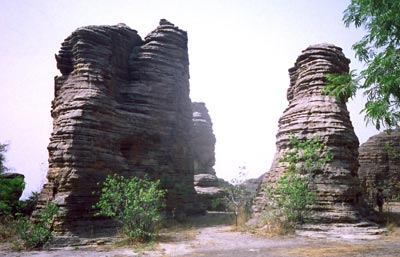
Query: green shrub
{"type": "Point", "coordinates": [31, 234]}
{"type": "Point", "coordinates": [26, 207]}
{"type": "Point", "coordinates": [8, 197]}
{"type": "Point", "coordinates": [291, 195]}
{"type": "Point", "coordinates": [135, 203]}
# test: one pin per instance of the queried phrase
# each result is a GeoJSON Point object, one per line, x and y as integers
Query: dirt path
{"type": "Point", "coordinates": [205, 238]}
{"type": "Point", "coordinates": [221, 241]}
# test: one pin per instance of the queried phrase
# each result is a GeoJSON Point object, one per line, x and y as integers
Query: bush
{"type": "Point", "coordinates": [32, 235]}
{"type": "Point", "coordinates": [135, 203]}
{"type": "Point", "coordinates": [26, 207]}
{"type": "Point", "coordinates": [291, 197]}
{"type": "Point", "coordinates": [8, 197]}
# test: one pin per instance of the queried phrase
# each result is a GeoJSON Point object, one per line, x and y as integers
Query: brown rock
{"type": "Point", "coordinates": [121, 106]}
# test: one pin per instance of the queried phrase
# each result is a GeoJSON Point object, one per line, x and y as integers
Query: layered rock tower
{"type": "Point", "coordinates": [203, 140]}
{"type": "Point", "coordinates": [380, 165]}
{"type": "Point", "coordinates": [207, 185]}
{"type": "Point", "coordinates": [121, 106]}
{"type": "Point", "coordinates": [311, 113]}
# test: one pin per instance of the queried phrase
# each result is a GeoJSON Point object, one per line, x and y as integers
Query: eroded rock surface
{"type": "Point", "coordinates": [379, 159]}
{"type": "Point", "coordinates": [311, 113]}
{"type": "Point", "coordinates": [121, 106]}
{"type": "Point", "coordinates": [207, 185]}
{"type": "Point", "coordinates": [203, 140]}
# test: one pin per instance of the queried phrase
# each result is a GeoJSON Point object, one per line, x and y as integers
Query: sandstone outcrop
{"type": "Point", "coordinates": [203, 140]}
{"type": "Point", "coordinates": [208, 187]}
{"type": "Point", "coordinates": [311, 113]}
{"type": "Point", "coordinates": [121, 106]}
{"type": "Point", "coordinates": [379, 159]}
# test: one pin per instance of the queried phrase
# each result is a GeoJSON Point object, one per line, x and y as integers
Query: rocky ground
{"type": "Point", "coordinates": [206, 236]}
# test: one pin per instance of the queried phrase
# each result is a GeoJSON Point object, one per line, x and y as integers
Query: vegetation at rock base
{"type": "Point", "coordinates": [135, 203]}
{"type": "Point", "coordinates": [34, 234]}
{"type": "Point", "coordinates": [27, 206]}
{"type": "Point", "coordinates": [291, 198]}
{"type": "Point", "coordinates": [379, 49]}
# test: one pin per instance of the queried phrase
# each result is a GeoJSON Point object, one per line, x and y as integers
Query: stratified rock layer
{"type": "Point", "coordinates": [203, 140]}
{"type": "Point", "coordinates": [208, 187]}
{"type": "Point", "coordinates": [311, 113]}
{"type": "Point", "coordinates": [121, 106]}
{"type": "Point", "coordinates": [380, 165]}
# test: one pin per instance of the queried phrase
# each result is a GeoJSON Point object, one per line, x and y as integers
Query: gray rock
{"type": "Point", "coordinates": [379, 159]}
{"type": "Point", "coordinates": [203, 140]}
{"type": "Point", "coordinates": [206, 180]}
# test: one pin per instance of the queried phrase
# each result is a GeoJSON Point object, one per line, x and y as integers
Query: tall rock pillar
{"type": "Point", "coordinates": [311, 113]}
{"type": "Point", "coordinates": [121, 106]}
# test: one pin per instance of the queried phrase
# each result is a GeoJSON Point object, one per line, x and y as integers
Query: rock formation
{"type": "Point", "coordinates": [379, 159]}
{"type": "Point", "coordinates": [207, 185]}
{"type": "Point", "coordinates": [310, 113]}
{"type": "Point", "coordinates": [121, 106]}
{"type": "Point", "coordinates": [203, 140]}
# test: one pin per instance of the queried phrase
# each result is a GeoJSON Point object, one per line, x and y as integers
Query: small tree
{"type": "Point", "coordinates": [3, 149]}
{"type": "Point", "coordinates": [135, 203]}
{"type": "Point", "coordinates": [291, 194]}
{"type": "Point", "coordinates": [236, 194]}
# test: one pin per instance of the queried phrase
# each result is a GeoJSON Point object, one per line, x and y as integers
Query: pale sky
{"type": "Point", "coordinates": [239, 54]}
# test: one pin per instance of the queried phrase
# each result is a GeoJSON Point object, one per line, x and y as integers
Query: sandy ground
{"type": "Point", "coordinates": [221, 240]}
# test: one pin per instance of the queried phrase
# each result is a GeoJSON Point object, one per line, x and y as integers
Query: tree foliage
{"type": "Point", "coordinates": [135, 203]}
{"type": "Point", "coordinates": [3, 149]}
{"type": "Point", "coordinates": [9, 199]}
{"type": "Point", "coordinates": [379, 49]}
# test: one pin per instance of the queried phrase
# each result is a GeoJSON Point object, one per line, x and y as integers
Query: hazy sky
{"type": "Point", "coordinates": [239, 53]}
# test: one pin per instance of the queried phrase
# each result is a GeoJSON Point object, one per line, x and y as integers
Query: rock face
{"type": "Point", "coordinates": [121, 106]}
{"type": "Point", "coordinates": [311, 113]}
{"type": "Point", "coordinates": [379, 159]}
{"type": "Point", "coordinates": [203, 140]}
{"type": "Point", "coordinates": [208, 187]}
